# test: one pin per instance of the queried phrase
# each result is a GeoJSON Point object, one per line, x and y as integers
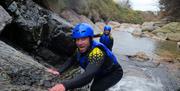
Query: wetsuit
{"type": "Point", "coordinates": [99, 64]}
{"type": "Point", "coordinates": [106, 39]}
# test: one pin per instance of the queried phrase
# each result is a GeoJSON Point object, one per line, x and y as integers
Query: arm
{"type": "Point", "coordinates": [96, 58]}
{"type": "Point", "coordinates": [98, 35]}
{"type": "Point", "coordinates": [66, 65]}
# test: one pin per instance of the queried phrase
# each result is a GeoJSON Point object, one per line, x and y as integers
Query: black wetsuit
{"type": "Point", "coordinates": [98, 67]}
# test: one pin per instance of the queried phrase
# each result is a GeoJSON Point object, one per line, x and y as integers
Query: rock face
{"type": "Point", "coordinates": [35, 28]}
{"type": "Point", "coordinates": [22, 71]}
{"type": "Point", "coordinates": [5, 18]}
{"type": "Point", "coordinates": [171, 30]}
{"type": "Point", "coordinates": [74, 18]}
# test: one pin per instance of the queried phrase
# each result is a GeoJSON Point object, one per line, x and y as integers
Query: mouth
{"type": "Point", "coordinates": [82, 49]}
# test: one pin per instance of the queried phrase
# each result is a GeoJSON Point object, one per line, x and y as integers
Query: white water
{"type": "Point", "coordinates": [133, 83]}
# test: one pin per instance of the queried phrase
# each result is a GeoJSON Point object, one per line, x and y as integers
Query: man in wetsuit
{"type": "Point", "coordinates": [106, 38]}
{"type": "Point", "coordinates": [96, 59]}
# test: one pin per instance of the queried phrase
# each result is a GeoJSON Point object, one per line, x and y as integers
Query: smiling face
{"type": "Point", "coordinates": [106, 32]}
{"type": "Point", "coordinates": [83, 44]}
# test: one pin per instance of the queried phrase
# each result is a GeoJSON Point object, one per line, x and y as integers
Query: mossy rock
{"type": "Point", "coordinates": [172, 27]}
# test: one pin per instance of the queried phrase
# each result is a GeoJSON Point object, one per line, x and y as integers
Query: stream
{"type": "Point", "coordinates": [144, 76]}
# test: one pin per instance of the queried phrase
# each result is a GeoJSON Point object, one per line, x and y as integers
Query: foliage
{"type": "Point", "coordinates": [170, 8]}
{"type": "Point", "coordinates": [104, 9]}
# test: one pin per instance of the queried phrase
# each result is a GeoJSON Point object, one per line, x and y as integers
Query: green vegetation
{"type": "Point", "coordinates": [109, 10]}
{"type": "Point", "coordinates": [170, 8]}
{"type": "Point", "coordinates": [103, 9]}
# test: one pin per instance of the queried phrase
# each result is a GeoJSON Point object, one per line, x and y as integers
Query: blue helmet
{"type": "Point", "coordinates": [82, 30]}
{"type": "Point", "coordinates": [107, 28]}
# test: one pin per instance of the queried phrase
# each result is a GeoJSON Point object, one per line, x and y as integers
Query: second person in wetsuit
{"type": "Point", "coordinates": [106, 37]}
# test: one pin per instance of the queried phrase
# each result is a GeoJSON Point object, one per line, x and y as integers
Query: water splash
{"type": "Point", "coordinates": [132, 83]}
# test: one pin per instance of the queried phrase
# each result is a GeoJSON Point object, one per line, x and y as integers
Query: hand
{"type": "Point", "coordinates": [53, 71]}
{"type": "Point", "coordinates": [58, 87]}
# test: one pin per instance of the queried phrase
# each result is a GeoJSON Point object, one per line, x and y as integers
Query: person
{"type": "Point", "coordinates": [106, 37]}
{"type": "Point", "coordinates": [96, 59]}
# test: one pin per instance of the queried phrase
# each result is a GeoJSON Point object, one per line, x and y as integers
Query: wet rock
{"type": "Point", "coordinates": [37, 27]}
{"type": "Point", "coordinates": [147, 34]}
{"type": "Point", "coordinates": [27, 25]}
{"type": "Point", "coordinates": [5, 18]}
{"type": "Point", "coordinates": [166, 56]}
{"type": "Point", "coordinates": [137, 33]}
{"type": "Point", "coordinates": [59, 35]}
{"type": "Point", "coordinates": [48, 56]}
{"type": "Point", "coordinates": [7, 87]}
{"type": "Point", "coordinates": [19, 69]}
{"type": "Point", "coordinates": [28, 15]}
{"type": "Point", "coordinates": [140, 56]}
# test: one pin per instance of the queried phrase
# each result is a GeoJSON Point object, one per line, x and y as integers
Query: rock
{"type": "Point", "coordinates": [28, 22]}
{"type": "Point", "coordinates": [114, 24]}
{"type": "Point", "coordinates": [22, 70]}
{"type": "Point", "coordinates": [147, 34]}
{"type": "Point", "coordinates": [48, 56]}
{"type": "Point", "coordinates": [178, 44]}
{"type": "Point", "coordinates": [173, 36]}
{"type": "Point", "coordinates": [5, 18]}
{"type": "Point", "coordinates": [172, 27]}
{"type": "Point", "coordinates": [162, 36]}
{"type": "Point", "coordinates": [137, 33]}
{"type": "Point", "coordinates": [140, 56]}
{"type": "Point", "coordinates": [166, 56]}
{"type": "Point", "coordinates": [100, 25]}
{"type": "Point", "coordinates": [37, 27]}
{"type": "Point", "coordinates": [74, 18]}
{"type": "Point", "coordinates": [58, 35]}
{"type": "Point", "coordinates": [149, 26]}
{"type": "Point", "coordinates": [28, 15]}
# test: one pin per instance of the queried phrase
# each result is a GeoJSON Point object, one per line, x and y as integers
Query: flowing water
{"type": "Point", "coordinates": [143, 76]}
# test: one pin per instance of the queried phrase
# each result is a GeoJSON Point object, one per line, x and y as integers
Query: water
{"type": "Point", "coordinates": [143, 76]}
{"type": "Point", "coordinates": [127, 44]}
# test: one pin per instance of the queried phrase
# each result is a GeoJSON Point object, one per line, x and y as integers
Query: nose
{"type": "Point", "coordinates": [79, 42]}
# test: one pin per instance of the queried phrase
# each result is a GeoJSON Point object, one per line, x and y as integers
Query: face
{"type": "Point", "coordinates": [106, 32]}
{"type": "Point", "coordinates": [83, 44]}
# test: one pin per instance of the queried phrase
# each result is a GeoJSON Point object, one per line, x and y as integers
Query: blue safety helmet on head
{"type": "Point", "coordinates": [82, 30]}
{"type": "Point", "coordinates": [107, 28]}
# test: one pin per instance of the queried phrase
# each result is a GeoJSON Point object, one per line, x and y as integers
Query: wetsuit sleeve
{"type": "Point", "coordinates": [98, 35]}
{"type": "Point", "coordinates": [96, 58]}
{"type": "Point", "coordinates": [67, 64]}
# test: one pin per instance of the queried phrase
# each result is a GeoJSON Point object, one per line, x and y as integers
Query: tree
{"type": "Point", "coordinates": [170, 8]}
